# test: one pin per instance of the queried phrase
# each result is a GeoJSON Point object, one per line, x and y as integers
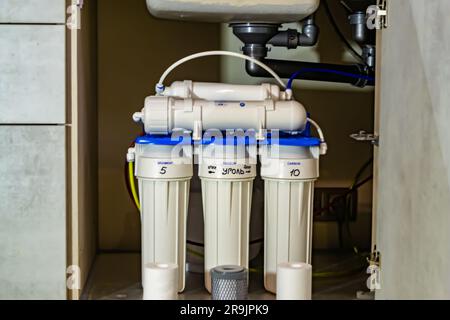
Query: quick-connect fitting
{"type": "Point", "coordinates": [159, 88]}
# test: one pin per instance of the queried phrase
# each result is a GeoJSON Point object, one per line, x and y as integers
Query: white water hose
{"type": "Point", "coordinates": [160, 86]}
{"type": "Point", "coordinates": [323, 143]}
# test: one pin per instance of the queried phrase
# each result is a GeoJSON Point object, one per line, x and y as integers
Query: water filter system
{"type": "Point", "coordinates": [225, 129]}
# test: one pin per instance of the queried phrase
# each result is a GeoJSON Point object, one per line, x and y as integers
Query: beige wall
{"type": "Point", "coordinates": [133, 50]}
{"type": "Point", "coordinates": [339, 108]}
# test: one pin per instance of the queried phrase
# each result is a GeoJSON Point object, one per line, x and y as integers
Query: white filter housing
{"type": "Point", "coordinates": [227, 184]}
{"type": "Point", "coordinates": [164, 183]}
{"type": "Point", "coordinates": [162, 115]}
{"type": "Point", "coordinates": [224, 92]}
{"type": "Point", "coordinates": [289, 190]}
{"type": "Point", "coordinates": [277, 11]}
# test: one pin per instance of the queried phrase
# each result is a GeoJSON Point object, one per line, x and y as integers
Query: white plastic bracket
{"type": "Point", "coordinates": [197, 132]}
{"type": "Point", "coordinates": [188, 105]}
{"type": "Point", "coordinates": [189, 87]}
{"type": "Point", "coordinates": [261, 134]}
{"type": "Point", "coordinates": [270, 104]}
{"type": "Point", "coordinates": [363, 136]}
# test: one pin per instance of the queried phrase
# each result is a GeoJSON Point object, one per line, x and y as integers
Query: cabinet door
{"type": "Point", "coordinates": [32, 74]}
{"type": "Point", "coordinates": [32, 212]}
{"type": "Point", "coordinates": [413, 189]}
{"type": "Point", "coordinates": [32, 11]}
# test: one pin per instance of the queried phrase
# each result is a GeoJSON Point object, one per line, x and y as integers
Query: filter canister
{"type": "Point", "coordinates": [160, 281]}
{"type": "Point", "coordinates": [294, 281]}
{"type": "Point", "coordinates": [229, 283]}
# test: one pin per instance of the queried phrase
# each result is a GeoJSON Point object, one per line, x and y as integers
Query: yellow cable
{"type": "Point", "coordinates": [133, 185]}
{"type": "Point", "coordinates": [195, 253]}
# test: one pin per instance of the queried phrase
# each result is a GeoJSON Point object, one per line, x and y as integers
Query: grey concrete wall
{"type": "Point", "coordinates": [32, 74]}
{"type": "Point", "coordinates": [33, 136]}
{"type": "Point", "coordinates": [32, 212]}
{"type": "Point", "coordinates": [414, 157]}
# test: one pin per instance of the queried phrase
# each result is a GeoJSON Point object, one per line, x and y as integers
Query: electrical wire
{"type": "Point", "coordinates": [347, 199]}
{"type": "Point", "coordinates": [356, 187]}
{"type": "Point", "coordinates": [195, 253]}
{"type": "Point", "coordinates": [339, 32]}
{"type": "Point", "coordinates": [133, 185]}
{"type": "Point", "coordinates": [356, 184]}
{"type": "Point", "coordinates": [361, 171]}
{"type": "Point", "coordinates": [160, 86]}
{"type": "Point", "coordinates": [346, 7]}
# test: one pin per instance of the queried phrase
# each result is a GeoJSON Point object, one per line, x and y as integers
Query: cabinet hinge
{"type": "Point", "coordinates": [374, 258]}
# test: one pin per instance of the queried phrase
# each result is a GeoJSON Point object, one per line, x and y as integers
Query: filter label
{"type": "Point", "coordinates": [227, 170]}
{"type": "Point", "coordinates": [148, 168]}
{"type": "Point", "coordinates": [307, 169]}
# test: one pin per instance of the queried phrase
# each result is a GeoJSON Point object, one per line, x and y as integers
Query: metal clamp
{"type": "Point", "coordinates": [363, 136]}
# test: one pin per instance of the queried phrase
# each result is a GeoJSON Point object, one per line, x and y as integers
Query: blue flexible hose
{"type": "Point", "coordinates": [341, 73]}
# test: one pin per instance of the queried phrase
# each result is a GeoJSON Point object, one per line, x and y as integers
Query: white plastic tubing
{"type": "Point", "coordinates": [323, 144]}
{"type": "Point", "coordinates": [160, 86]}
